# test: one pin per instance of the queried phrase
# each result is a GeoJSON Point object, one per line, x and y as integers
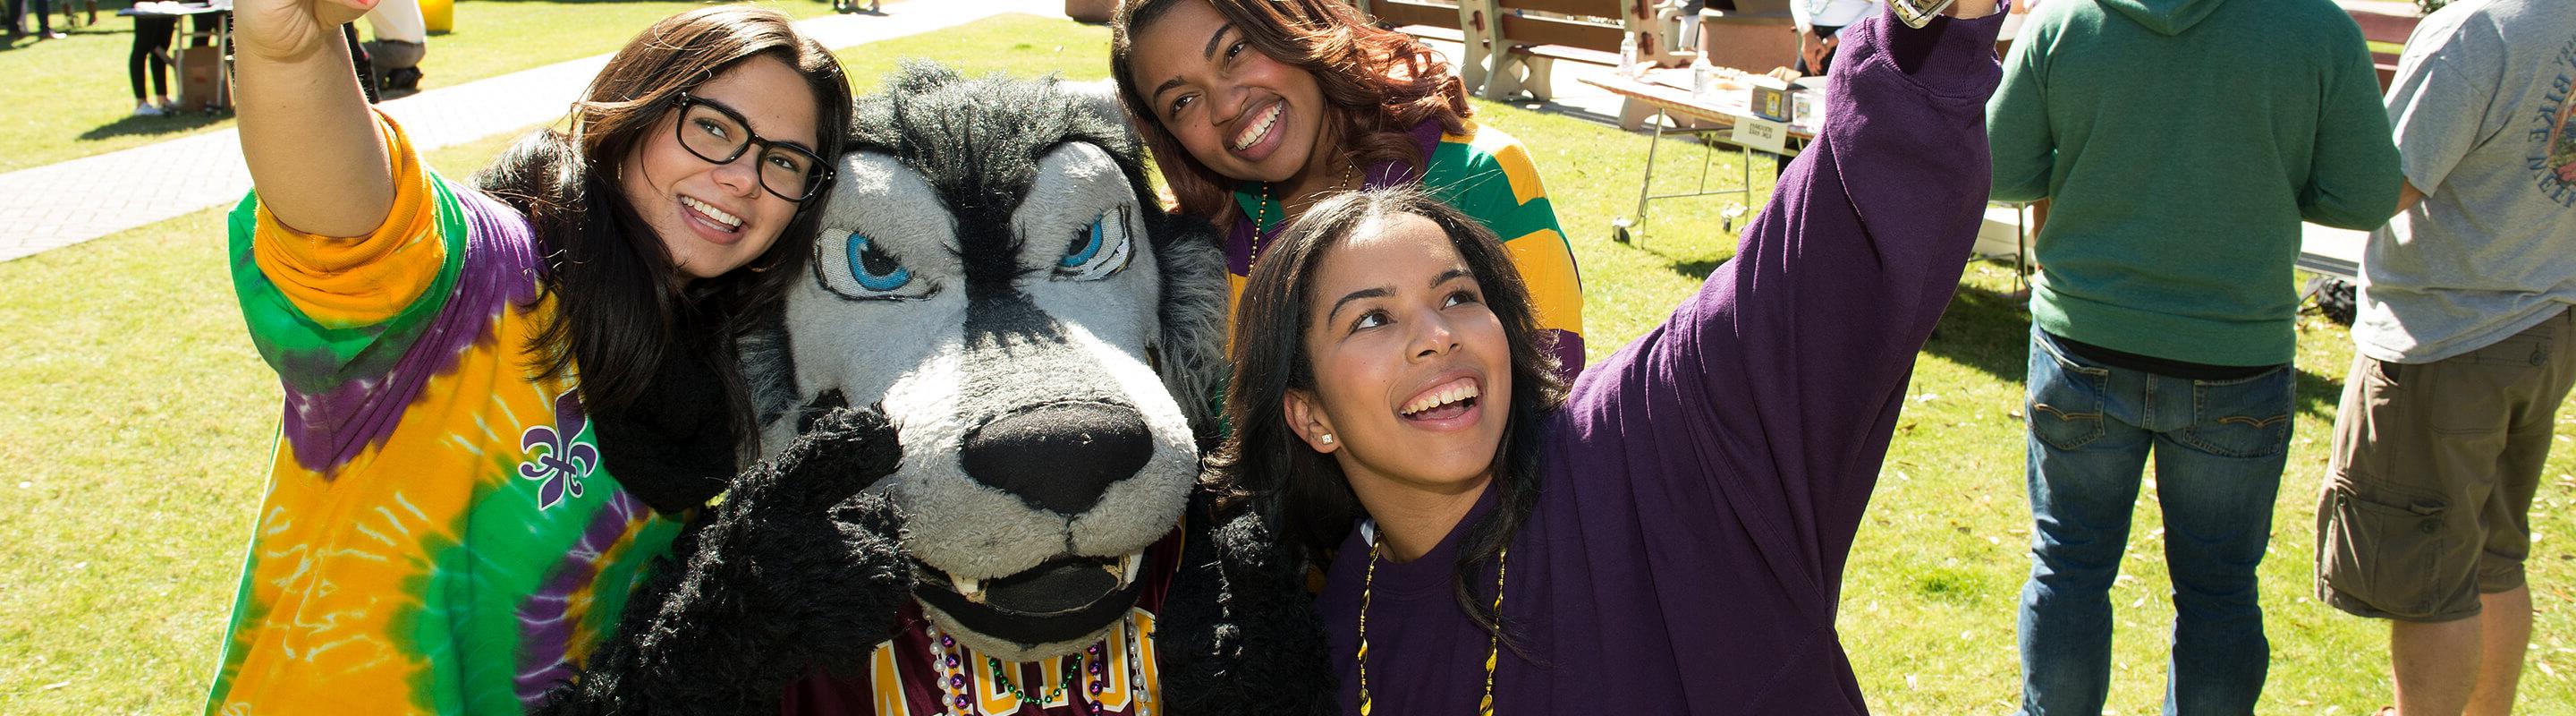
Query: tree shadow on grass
{"type": "Point", "coordinates": [1982, 329]}
{"type": "Point", "coordinates": [1986, 330]}
{"type": "Point", "coordinates": [180, 123]}
{"type": "Point", "coordinates": [1696, 269]}
{"type": "Point", "coordinates": [2319, 395]}
{"type": "Point", "coordinates": [1990, 331]}
{"type": "Point", "coordinates": [1685, 258]}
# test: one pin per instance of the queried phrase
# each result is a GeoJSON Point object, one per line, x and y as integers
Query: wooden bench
{"type": "Point", "coordinates": [1533, 34]}
{"type": "Point", "coordinates": [1459, 22]}
{"type": "Point", "coordinates": [2383, 27]}
{"type": "Point", "coordinates": [1512, 45]}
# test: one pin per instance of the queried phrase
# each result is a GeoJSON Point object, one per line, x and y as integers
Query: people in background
{"type": "Point", "coordinates": [2163, 317]}
{"type": "Point", "coordinates": [401, 39]}
{"type": "Point", "coordinates": [151, 51]}
{"type": "Point", "coordinates": [1820, 26]}
{"type": "Point", "coordinates": [44, 24]}
{"type": "Point", "coordinates": [152, 54]}
{"type": "Point", "coordinates": [2463, 350]}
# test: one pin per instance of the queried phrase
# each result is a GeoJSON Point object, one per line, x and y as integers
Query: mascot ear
{"type": "Point", "coordinates": [915, 76]}
{"type": "Point", "coordinates": [1192, 352]}
{"type": "Point", "coordinates": [1099, 98]}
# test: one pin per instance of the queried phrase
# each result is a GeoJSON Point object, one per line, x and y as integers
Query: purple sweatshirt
{"type": "Point", "coordinates": [1701, 488]}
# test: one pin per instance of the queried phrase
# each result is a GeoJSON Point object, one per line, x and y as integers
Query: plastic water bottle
{"type": "Point", "coordinates": [1628, 55]}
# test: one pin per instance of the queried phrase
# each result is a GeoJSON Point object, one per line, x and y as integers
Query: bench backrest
{"type": "Point", "coordinates": [1620, 16]}
{"type": "Point", "coordinates": [2382, 27]}
{"type": "Point", "coordinates": [1412, 12]}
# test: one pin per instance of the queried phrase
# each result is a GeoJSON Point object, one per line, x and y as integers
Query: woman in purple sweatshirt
{"type": "Point", "coordinates": [1669, 537]}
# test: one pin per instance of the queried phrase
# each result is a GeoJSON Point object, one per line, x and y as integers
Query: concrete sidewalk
{"type": "Point", "coordinates": [70, 202]}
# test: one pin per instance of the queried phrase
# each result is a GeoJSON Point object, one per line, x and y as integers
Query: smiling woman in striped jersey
{"type": "Point", "coordinates": [1257, 109]}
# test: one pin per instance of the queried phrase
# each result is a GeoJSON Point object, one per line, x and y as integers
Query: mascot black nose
{"type": "Point", "coordinates": [1059, 457]}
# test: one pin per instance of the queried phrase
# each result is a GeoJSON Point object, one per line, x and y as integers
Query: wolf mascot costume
{"type": "Point", "coordinates": [1011, 520]}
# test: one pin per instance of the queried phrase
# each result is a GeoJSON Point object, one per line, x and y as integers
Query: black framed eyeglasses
{"type": "Point", "coordinates": [716, 133]}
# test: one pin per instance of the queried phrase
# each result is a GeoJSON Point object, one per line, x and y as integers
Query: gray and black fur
{"type": "Point", "coordinates": [1045, 344]}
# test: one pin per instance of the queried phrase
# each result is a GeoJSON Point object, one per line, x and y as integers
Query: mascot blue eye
{"type": "Point", "coordinates": [1086, 244]}
{"type": "Point", "coordinates": [877, 273]}
{"type": "Point", "coordinates": [1098, 250]}
{"type": "Point", "coordinates": [873, 268]}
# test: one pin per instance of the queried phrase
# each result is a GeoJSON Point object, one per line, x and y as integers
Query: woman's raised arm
{"type": "Point", "coordinates": [316, 155]}
{"type": "Point", "coordinates": [1779, 382]}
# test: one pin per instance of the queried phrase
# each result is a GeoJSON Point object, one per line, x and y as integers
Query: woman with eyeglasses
{"type": "Point", "coordinates": [499, 398]}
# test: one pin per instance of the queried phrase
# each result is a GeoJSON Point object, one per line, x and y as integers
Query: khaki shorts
{"type": "Point", "coordinates": [2427, 500]}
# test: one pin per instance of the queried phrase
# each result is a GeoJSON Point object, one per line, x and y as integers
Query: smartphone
{"type": "Point", "coordinates": [1917, 13]}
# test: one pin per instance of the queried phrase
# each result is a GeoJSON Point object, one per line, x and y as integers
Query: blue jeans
{"type": "Point", "coordinates": [2219, 449]}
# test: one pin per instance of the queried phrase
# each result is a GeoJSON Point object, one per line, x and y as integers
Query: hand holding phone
{"type": "Point", "coordinates": [1917, 13]}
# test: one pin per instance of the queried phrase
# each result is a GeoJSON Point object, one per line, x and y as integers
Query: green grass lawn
{"type": "Point", "coordinates": [136, 426]}
{"type": "Point", "coordinates": [1023, 45]}
{"type": "Point", "coordinates": [137, 420]}
{"type": "Point", "coordinates": [80, 82]}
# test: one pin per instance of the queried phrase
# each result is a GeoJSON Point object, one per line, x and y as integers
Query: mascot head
{"type": "Point", "coordinates": [994, 274]}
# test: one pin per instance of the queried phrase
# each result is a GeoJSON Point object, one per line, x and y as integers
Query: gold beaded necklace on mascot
{"type": "Point", "coordinates": [951, 660]}
{"type": "Point", "coordinates": [1493, 646]}
{"type": "Point", "coordinates": [1261, 217]}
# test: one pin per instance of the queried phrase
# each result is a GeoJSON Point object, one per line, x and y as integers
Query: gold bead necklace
{"type": "Point", "coordinates": [1493, 647]}
{"type": "Point", "coordinates": [1261, 217]}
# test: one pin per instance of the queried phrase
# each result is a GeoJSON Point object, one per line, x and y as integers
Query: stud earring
{"type": "Point", "coordinates": [1327, 438]}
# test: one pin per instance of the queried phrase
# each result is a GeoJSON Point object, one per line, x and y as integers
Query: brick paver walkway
{"type": "Point", "coordinates": [74, 201]}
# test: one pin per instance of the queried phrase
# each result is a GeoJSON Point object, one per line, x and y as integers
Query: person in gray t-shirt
{"type": "Point", "coordinates": [2480, 106]}
{"type": "Point", "coordinates": [2464, 350]}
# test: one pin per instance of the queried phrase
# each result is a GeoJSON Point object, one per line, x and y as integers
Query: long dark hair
{"type": "Point", "coordinates": [1266, 463]}
{"type": "Point", "coordinates": [1380, 84]}
{"type": "Point", "coordinates": [624, 309]}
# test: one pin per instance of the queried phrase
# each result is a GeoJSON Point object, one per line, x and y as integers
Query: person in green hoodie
{"type": "Point", "coordinates": [2182, 142]}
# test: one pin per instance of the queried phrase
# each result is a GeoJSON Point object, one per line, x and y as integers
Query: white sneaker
{"type": "Point", "coordinates": [147, 110]}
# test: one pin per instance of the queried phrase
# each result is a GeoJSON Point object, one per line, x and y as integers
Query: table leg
{"type": "Point", "coordinates": [1626, 231]}
{"type": "Point", "coordinates": [2021, 250]}
{"type": "Point", "coordinates": [1707, 156]}
{"type": "Point", "coordinates": [1744, 162]}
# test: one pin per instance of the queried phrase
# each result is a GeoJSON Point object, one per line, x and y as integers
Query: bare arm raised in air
{"type": "Point", "coordinates": [316, 155]}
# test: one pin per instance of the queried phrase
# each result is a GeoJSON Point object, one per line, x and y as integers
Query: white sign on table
{"type": "Point", "coordinates": [1761, 135]}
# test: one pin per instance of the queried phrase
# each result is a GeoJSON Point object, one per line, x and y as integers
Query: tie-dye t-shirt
{"type": "Point", "coordinates": [439, 534]}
